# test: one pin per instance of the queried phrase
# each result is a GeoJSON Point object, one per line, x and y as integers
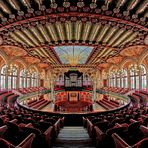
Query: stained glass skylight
{"type": "Point", "coordinates": [73, 55]}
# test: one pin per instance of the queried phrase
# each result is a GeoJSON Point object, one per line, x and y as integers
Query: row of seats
{"type": "Point", "coordinates": [139, 97]}
{"type": "Point", "coordinates": [107, 104]}
{"type": "Point", "coordinates": [116, 89]}
{"type": "Point", "coordinates": [121, 129]}
{"type": "Point", "coordinates": [30, 89]}
{"type": "Point", "coordinates": [27, 129]}
{"type": "Point", "coordinates": [38, 104]}
{"type": "Point", "coordinates": [7, 98]}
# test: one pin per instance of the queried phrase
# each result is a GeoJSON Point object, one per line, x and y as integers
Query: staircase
{"type": "Point", "coordinates": [73, 137]}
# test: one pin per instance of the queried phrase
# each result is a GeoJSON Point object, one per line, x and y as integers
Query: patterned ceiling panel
{"type": "Point", "coordinates": [115, 60]}
{"type": "Point", "coordinates": [38, 26]}
{"type": "Point", "coordinates": [31, 59]}
{"type": "Point", "coordinates": [49, 33]}
{"type": "Point", "coordinates": [133, 51]}
{"type": "Point", "coordinates": [43, 65]}
{"type": "Point", "coordinates": [13, 51]}
{"type": "Point", "coordinates": [111, 37]}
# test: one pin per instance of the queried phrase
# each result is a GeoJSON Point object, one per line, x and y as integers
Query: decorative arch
{"type": "Point", "coordinates": [20, 60]}
{"type": "Point", "coordinates": [34, 66]}
{"type": "Point", "coordinates": [143, 56]}
{"type": "Point", "coordinates": [113, 66]}
{"type": "Point", "coordinates": [4, 56]}
{"type": "Point", "coordinates": [122, 64]}
{"type": "Point", "coordinates": [143, 76]}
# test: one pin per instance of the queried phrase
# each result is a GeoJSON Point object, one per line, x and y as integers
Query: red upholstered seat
{"type": "Point", "coordinates": [27, 142]}
{"type": "Point", "coordinates": [4, 143]}
{"type": "Point", "coordinates": [120, 143]}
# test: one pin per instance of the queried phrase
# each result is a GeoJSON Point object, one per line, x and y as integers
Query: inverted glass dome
{"type": "Point", "coordinates": [73, 55]}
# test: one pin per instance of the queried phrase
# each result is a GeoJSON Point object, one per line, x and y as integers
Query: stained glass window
{"type": "Point", "coordinates": [143, 77]}
{"type": "Point", "coordinates": [3, 77]}
{"type": "Point", "coordinates": [73, 55]}
{"type": "Point", "coordinates": [22, 78]}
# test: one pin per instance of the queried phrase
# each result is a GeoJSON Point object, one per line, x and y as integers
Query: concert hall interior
{"type": "Point", "coordinates": [74, 73]}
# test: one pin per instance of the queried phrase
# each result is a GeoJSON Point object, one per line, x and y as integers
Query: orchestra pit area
{"type": "Point", "coordinates": [74, 73]}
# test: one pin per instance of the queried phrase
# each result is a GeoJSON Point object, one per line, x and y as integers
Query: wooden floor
{"type": "Point", "coordinates": [73, 137]}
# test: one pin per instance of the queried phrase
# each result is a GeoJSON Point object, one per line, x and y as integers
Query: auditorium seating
{"type": "Point", "coordinates": [30, 89]}
{"type": "Point", "coordinates": [120, 129]}
{"type": "Point", "coordinates": [137, 97]}
{"type": "Point", "coordinates": [28, 129]}
{"type": "Point", "coordinates": [108, 104]}
{"type": "Point", "coordinates": [116, 89]}
{"type": "Point", "coordinates": [24, 128]}
{"type": "Point", "coordinates": [8, 98]}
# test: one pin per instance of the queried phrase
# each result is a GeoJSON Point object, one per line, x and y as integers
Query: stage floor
{"type": "Point", "coordinates": [50, 107]}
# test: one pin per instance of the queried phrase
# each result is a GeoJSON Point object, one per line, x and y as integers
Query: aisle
{"type": "Point", "coordinates": [73, 137]}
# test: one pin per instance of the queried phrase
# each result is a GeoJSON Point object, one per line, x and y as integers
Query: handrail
{"type": "Point", "coordinates": [19, 100]}
{"type": "Point", "coordinates": [121, 96]}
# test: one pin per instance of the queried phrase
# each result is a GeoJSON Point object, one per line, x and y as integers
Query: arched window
{"type": "Point", "coordinates": [3, 77]}
{"type": "Point", "coordinates": [143, 77]}
{"type": "Point", "coordinates": [22, 78]}
{"type": "Point", "coordinates": [134, 78]}
{"type": "Point", "coordinates": [137, 80]}
{"type": "Point", "coordinates": [28, 79]}
{"type": "Point", "coordinates": [118, 79]}
{"type": "Point", "coordinates": [124, 79]}
{"type": "Point", "coordinates": [113, 79]}
{"type": "Point", "coordinates": [34, 79]}
{"type": "Point", "coordinates": [14, 79]}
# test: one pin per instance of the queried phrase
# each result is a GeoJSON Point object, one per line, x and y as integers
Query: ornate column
{"type": "Point", "coordinates": [140, 78]}
{"type": "Point", "coordinates": [18, 79]}
{"type": "Point", "coordinates": [94, 90]}
{"type": "Point", "coordinates": [121, 75]}
{"type": "Point", "coordinates": [6, 78]}
{"type": "Point", "coordinates": [146, 78]}
{"type": "Point", "coordinates": [128, 78]}
{"type": "Point", "coordinates": [30, 79]}
{"type": "Point", "coordinates": [26, 75]}
{"type": "Point", "coordinates": [52, 90]}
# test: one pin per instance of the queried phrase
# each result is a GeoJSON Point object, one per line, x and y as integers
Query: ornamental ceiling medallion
{"type": "Point", "coordinates": [133, 51]}
{"type": "Point", "coordinates": [13, 51]}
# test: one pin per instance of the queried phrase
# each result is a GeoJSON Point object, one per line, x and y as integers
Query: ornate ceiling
{"type": "Point", "coordinates": [46, 30]}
